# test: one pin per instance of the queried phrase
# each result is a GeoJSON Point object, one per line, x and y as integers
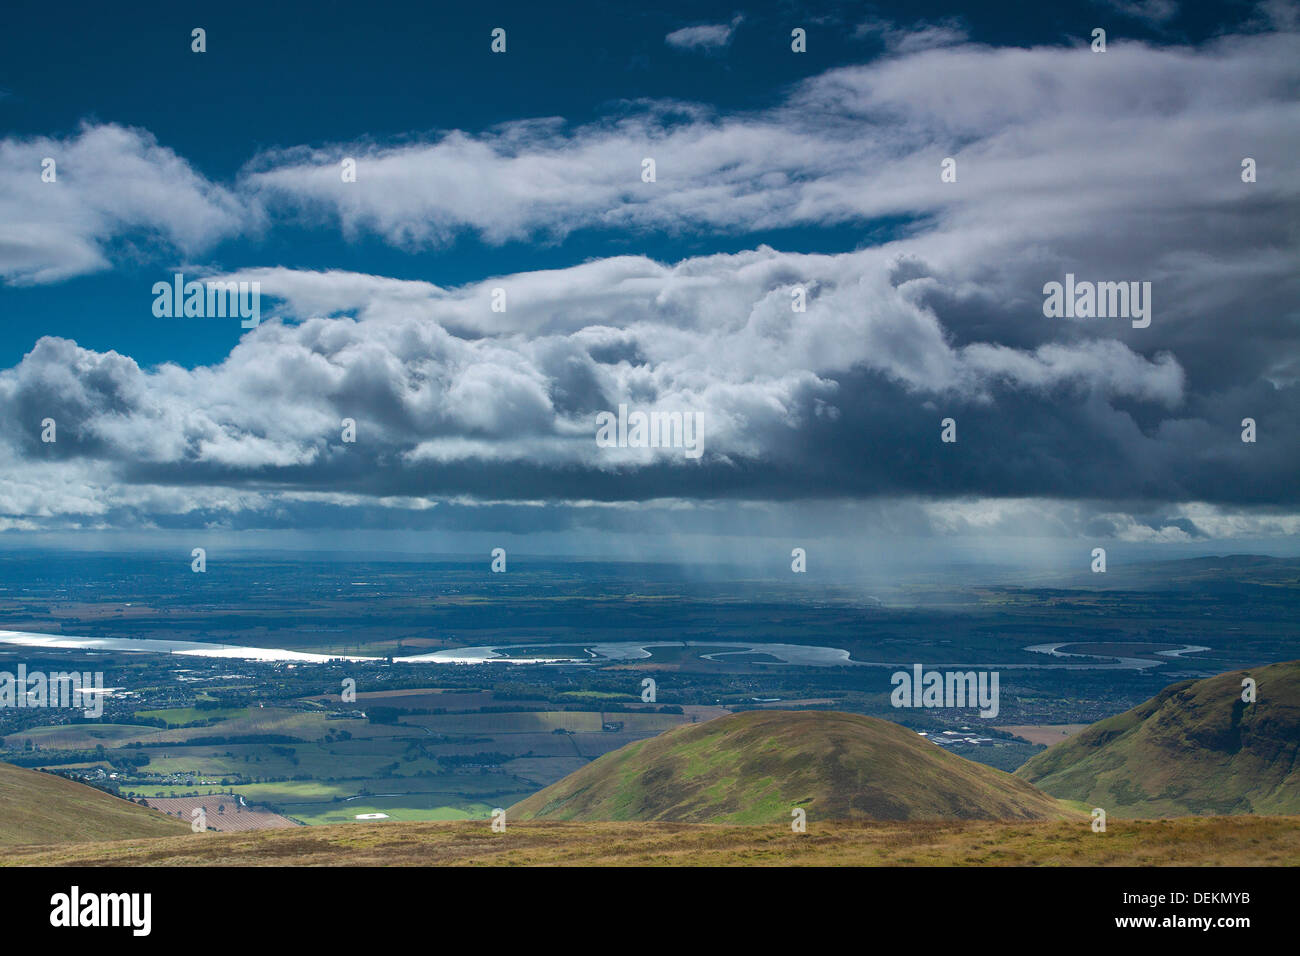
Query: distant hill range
{"type": "Point", "coordinates": [1194, 748]}
{"type": "Point", "coordinates": [40, 808]}
{"type": "Point", "coordinates": [756, 767]}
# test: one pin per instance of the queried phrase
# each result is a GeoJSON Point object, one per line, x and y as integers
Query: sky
{"type": "Point", "coordinates": [500, 272]}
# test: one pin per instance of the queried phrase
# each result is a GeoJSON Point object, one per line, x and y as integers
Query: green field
{"type": "Point", "coordinates": [409, 807]}
{"type": "Point", "coordinates": [446, 797]}
{"type": "Point", "coordinates": [247, 722]}
{"type": "Point", "coordinates": [452, 766]}
{"type": "Point", "coordinates": [81, 736]}
{"type": "Point", "coordinates": [179, 716]}
{"type": "Point", "coordinates": [586, 722]}
{"type": "Point", "coordinates": [339, 759]}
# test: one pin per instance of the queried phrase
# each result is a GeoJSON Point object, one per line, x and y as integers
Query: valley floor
{"type": "Point", "coordinates": [1187, 841]}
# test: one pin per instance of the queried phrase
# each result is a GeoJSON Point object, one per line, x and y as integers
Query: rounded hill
{"type": "Point", "coordinates": [755, 767]}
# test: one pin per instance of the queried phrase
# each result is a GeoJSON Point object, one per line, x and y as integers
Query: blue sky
{"type": "Point", "coordinates": [321, 73]}
{"type": "Point", "coordinates": [281, 75]}
{"type": "Point", "coordinates": [521, 171]}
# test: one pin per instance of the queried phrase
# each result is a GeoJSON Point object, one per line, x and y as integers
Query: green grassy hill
{"type": "Point", "coordinates": [1194, 748]}
{"type": "Point", "coordinates": [756, 767]}
{"type": "Point", "coordinates": [40, 808]}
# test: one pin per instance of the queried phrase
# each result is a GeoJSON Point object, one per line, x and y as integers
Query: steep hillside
{"type": "Point", "coordinates": [1194, 748]}
{"type": "Point", "coordinates": [756, 767]}
{"type": "Point", "coordinates": [43, 808]}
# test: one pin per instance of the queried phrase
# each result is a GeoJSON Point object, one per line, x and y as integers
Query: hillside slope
{"type": "Point", "coordinates": [41, 808]}
{"type": "Point", "coordinates": [1194, 748]}
{"type": "Point", "coordinates": [756, 767]}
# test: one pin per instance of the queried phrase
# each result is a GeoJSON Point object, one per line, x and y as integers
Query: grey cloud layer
{"type": "Point", "coordinates": [1123, 166]}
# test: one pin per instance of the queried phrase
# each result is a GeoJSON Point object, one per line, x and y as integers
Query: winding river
{"type": "Point", "coordinates": [798, 655]}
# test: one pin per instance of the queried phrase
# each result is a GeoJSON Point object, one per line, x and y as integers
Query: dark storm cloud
{"type": "Point", "coordinates": [1122, 169]}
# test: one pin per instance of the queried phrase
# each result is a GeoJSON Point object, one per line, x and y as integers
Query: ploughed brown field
{"type": "Point", "coordinates": [232, 818]}
{"type": "Point", "coordinates": [1187, 841]}
{"type": "Point", "coordinates": [1046, 734]}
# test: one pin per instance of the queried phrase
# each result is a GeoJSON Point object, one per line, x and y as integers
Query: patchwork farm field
{"type": "Point", "coordinates": [410, 754]}
{"type": "Point", "coordinates": [244, 721]}
{"type": "Point", "coordinates": [576, 722]}
{"type": "Point", "coordinates": [181, 716]}
{"type": "Point", "coordinates": [222, 814]}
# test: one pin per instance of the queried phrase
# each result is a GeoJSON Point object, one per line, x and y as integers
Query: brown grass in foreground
{"type": "Point", "coordinates": [1194, 841]}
